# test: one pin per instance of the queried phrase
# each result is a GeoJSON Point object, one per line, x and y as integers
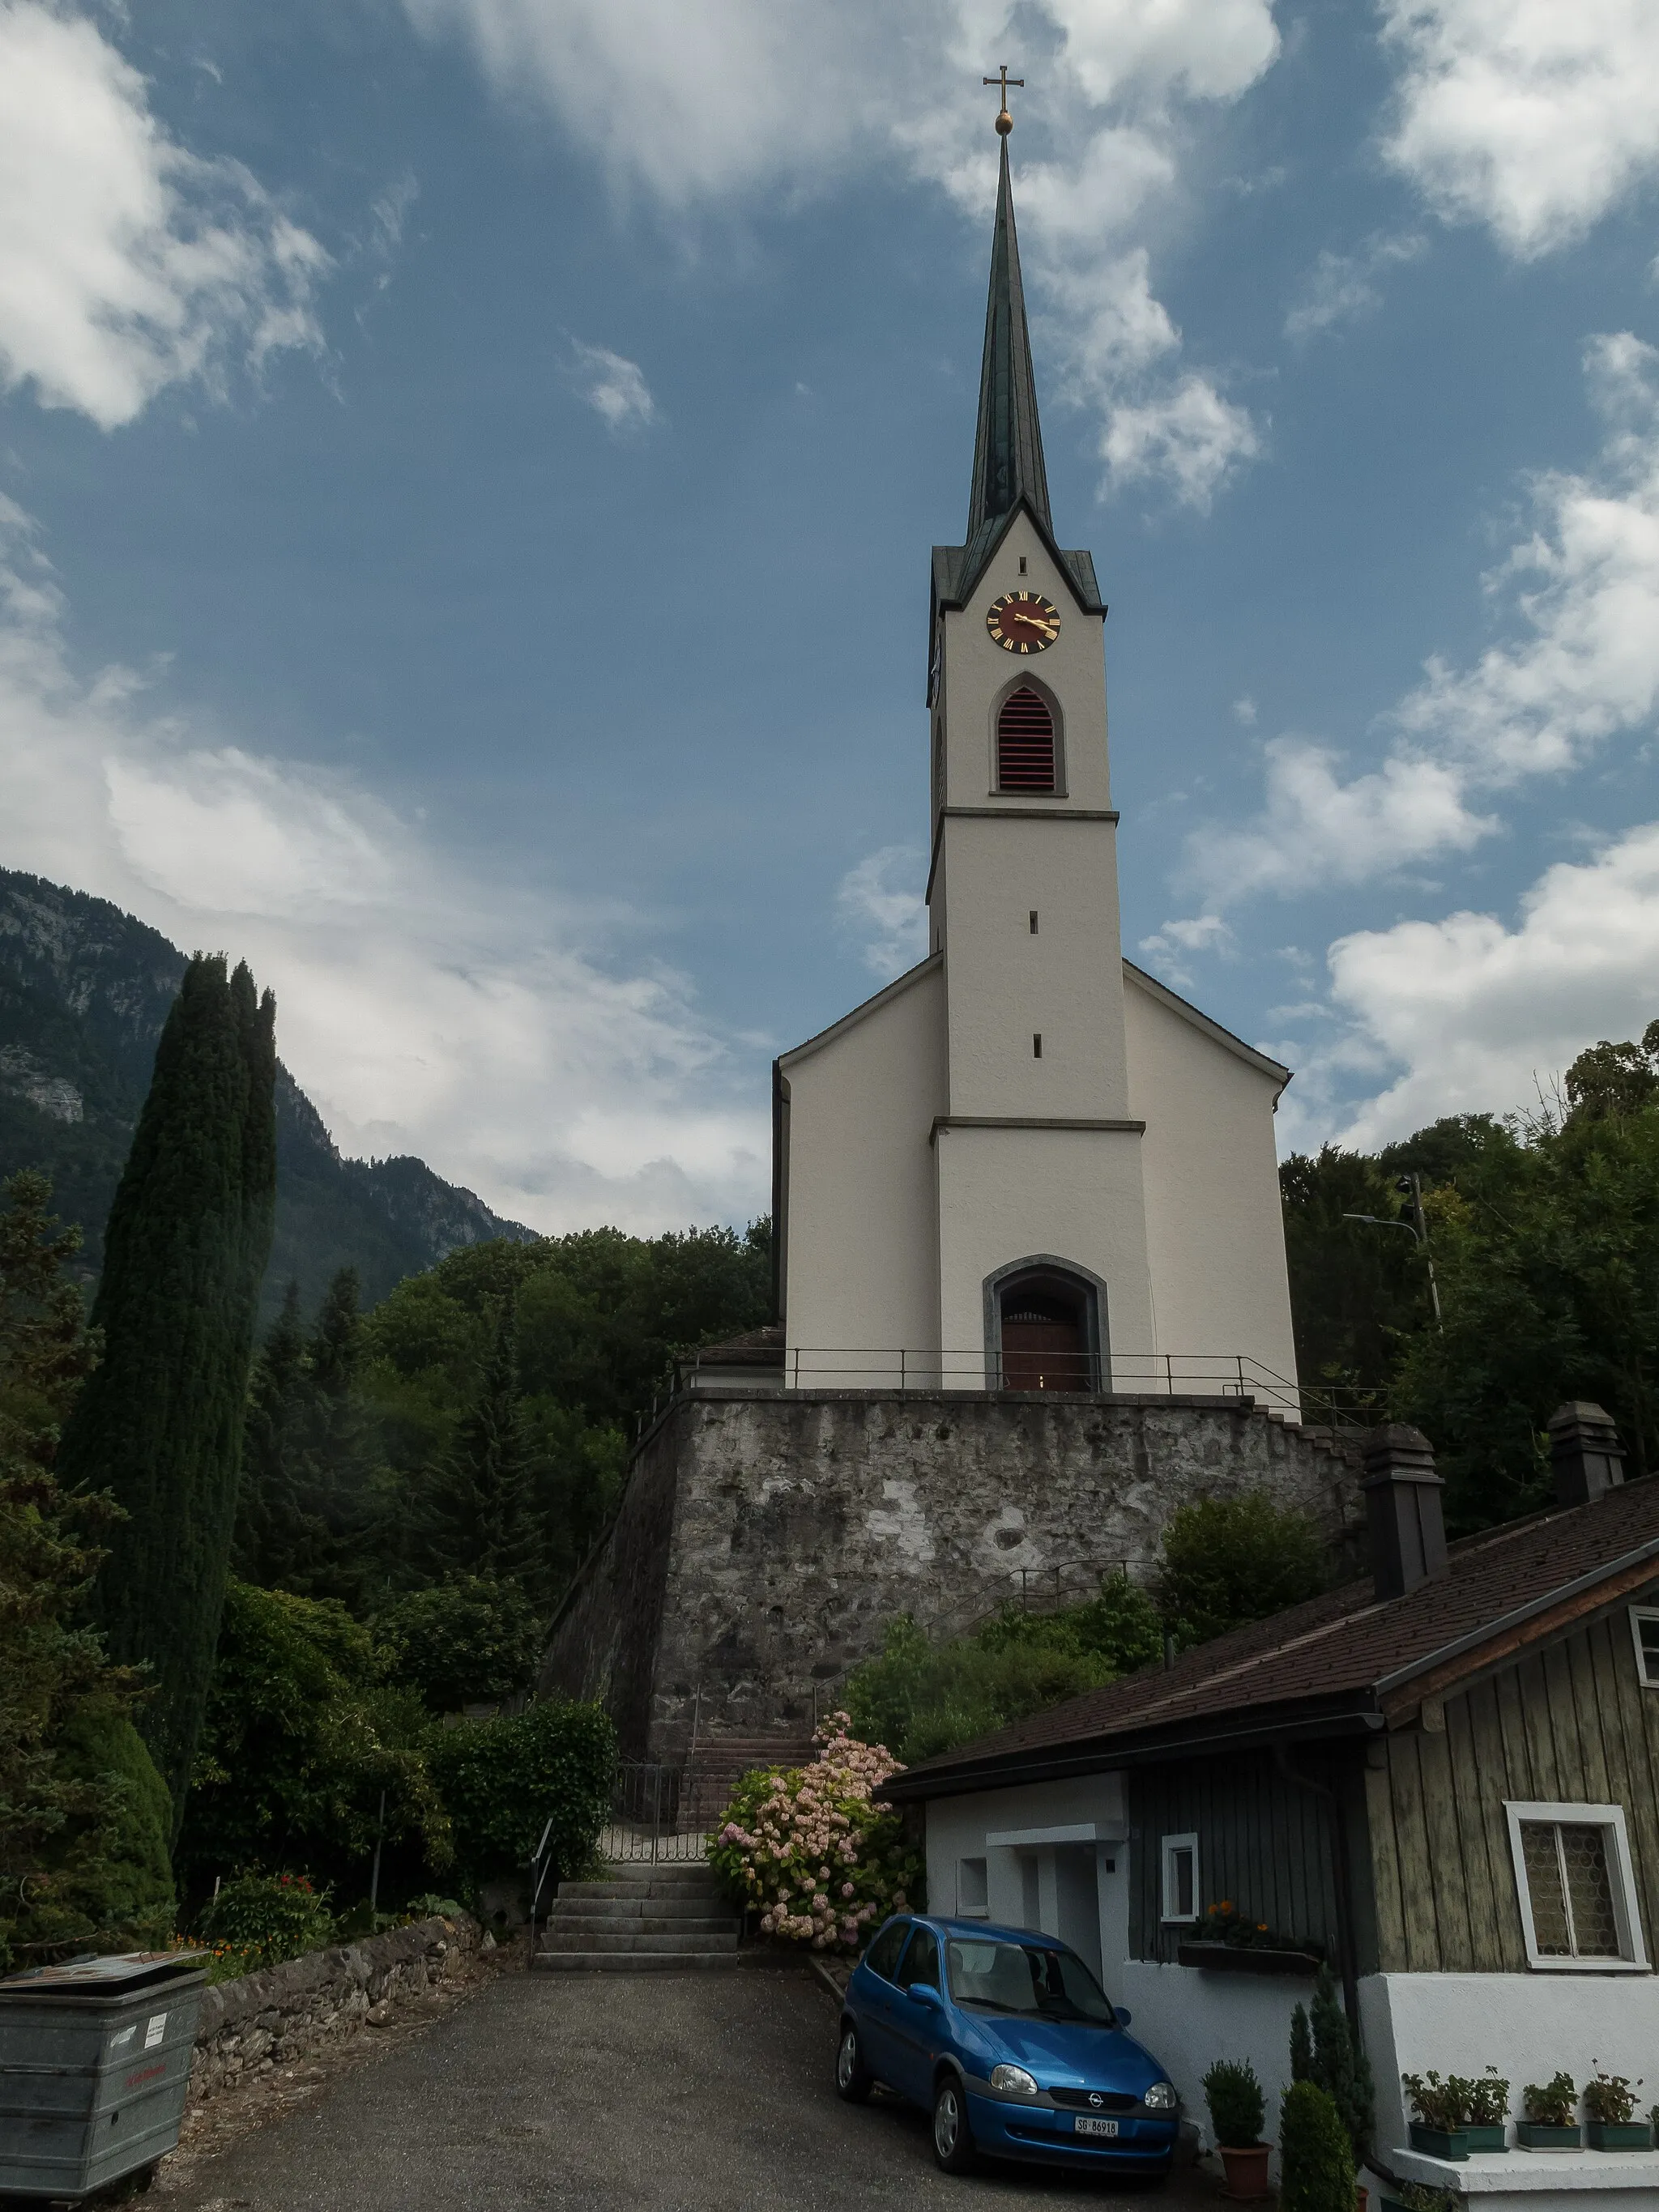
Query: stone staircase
{"type": "Point", "coordinates": [641, 1919]}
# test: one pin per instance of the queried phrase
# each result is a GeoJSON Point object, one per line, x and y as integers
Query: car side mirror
{"type": "Point", "coordinates": [1122, 2016]}
{"type": "Point", "coordinates": [924, 1993]}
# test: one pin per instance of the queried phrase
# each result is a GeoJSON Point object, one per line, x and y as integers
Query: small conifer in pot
{"type": "Point", "coordinates": [1237, 2110]}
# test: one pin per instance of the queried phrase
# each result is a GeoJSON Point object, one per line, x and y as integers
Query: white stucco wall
{"type": "Point", "coordinates": [1005, 1194]}
{"type": "Point", "coordinates": [1064, 1852]}
{"type": "Point", "coordinates": [862, 1264]}
{"type": "Point", "coordinates": [1215, 1234]}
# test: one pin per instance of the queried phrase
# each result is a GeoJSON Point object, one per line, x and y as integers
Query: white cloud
{"type": "Point", "coordinates": [614, 387]}
{"type": "Point", "coordinates": [423, 1010]}
{"type": "Point", "coordinates": [1171, 947]}
{"type": "Point", "coordinates": [1534, 117]}
{"type": "Point", "coordinates": [878, 901]}
{"type": "Point", "coordinates": [1470, 1016]}
{"type": "Point", "coordinates": [747, 101]}
{"type": "Point", "coordinates": [1581, 667]}
{"type": "Point", "coordinates": [126, 263]}
{"type": "Point", "coordinates": [1343, 287]}
{"type": "Point", "coordinates": [1244, 710]}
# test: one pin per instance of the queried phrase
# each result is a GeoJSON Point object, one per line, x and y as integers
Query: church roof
{"type": "Point", "coordinates": [1009, 475]}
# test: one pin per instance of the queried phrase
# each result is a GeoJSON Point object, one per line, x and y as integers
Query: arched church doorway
{"type": "Point", "coordinates": [1047, 1331]}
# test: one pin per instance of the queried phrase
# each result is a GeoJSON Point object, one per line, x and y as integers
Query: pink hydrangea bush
{"type": "Point", "coordinates": [810, 1852]}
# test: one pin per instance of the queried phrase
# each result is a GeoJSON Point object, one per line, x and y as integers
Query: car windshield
{"type": "Point", "coordinates": [1024, 1978]}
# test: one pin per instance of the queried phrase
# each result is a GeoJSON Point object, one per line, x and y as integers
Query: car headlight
{"type": "Point", "coordinates": [1161, 2098]}
{"type": "Point", "coordinates": [1014, 2080]}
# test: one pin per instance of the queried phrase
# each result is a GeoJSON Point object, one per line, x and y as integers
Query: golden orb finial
{"type": "Point", "coordinates": [1002, 81]}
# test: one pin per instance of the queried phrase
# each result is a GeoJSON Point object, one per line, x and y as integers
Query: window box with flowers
{"type": "Point", "coordinates": [1551, 2121]}
{"type": "Point", "coordinates": [1230, 1941]}
{"type": "Point", "coordinates": [1609, 2114]}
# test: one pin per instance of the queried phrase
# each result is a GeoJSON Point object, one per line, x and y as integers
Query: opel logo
{"type": "Point", "coordinates": [1096, 2099]}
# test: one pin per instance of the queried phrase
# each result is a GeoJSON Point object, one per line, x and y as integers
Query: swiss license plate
{"type": "Point", "coordinates": [1084, 2124]}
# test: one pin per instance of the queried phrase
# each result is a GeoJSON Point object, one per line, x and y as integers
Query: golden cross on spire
{"type": "Point", "coordinates": [1005, 121]}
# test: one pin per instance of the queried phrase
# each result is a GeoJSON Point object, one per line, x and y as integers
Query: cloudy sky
{"type": "Point", "coordinates": [466, 475]}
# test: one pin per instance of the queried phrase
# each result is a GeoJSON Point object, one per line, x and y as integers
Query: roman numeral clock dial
{"type": "Point", "coordinates": [1023, 621]}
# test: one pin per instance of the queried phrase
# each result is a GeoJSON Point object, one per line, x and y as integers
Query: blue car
{"type": "Point", "coordinates": [1008, 2040]}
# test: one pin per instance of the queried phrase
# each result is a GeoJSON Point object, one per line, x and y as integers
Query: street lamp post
{"type": "Point", "coordinates": [1410, 1186]}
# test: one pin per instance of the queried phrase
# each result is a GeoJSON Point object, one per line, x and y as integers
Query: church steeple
{"type": "Point", "coordinates": [1008, 444]}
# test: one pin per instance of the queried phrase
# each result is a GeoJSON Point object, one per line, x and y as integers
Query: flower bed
{"type": "Point", "coordinates": [811, 1854]}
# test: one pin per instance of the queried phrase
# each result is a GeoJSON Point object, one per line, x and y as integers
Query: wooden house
{"type": "Point", "coordinates": [1442, 1779]}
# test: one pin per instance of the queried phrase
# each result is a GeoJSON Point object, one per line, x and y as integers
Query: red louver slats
{"type": "Point", "coordinates": [1026, 743]}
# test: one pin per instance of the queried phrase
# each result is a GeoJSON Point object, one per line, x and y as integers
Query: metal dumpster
{"type": "Point", "coordinates": [95, 2062]}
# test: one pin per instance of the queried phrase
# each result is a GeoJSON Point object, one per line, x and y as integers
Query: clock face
{"type": "Point", "coordinates": [1023, 621]}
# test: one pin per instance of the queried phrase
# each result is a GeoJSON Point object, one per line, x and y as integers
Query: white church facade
{"type": "Point", "coordinates": [1026, 1164]}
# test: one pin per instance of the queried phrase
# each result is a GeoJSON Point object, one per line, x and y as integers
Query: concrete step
{"type": "Point", "coordinates": [643, 1886]}
{"type": "Point", "coordinates": [647, 1920]}
{"type": "Point", "coordinates": [615, 1941]}
{"type": "Point", "coordinates": [638, 1962]}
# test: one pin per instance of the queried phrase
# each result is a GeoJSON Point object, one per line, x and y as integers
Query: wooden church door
{"type": "Point", "coordinates": [1044, 1341]}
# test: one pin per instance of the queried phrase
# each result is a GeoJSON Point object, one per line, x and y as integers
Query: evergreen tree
{"type": "Point", "coordinates": [481, 1516]}
{"type": "Point", "coordinates": [1325, 2052]}
{"type": "Point", "coordinates": [159, 1423]}
{"type": "Point", "coordinates": [1316, 2164]}
{"type": "Point", "coordinates": [270, 1442]}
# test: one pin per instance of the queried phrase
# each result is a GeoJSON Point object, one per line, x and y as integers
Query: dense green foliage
{"type": "Point", "coordinates": [84, 1815]}
{"type": "Point", "coordinates": [1326, 2050]}
{"type": "Point", "coordinates": [502, 1780]}
{"type": "Point", "coordinates": [1315, 2158]}
{"type": "Point", "coordinates": [1238, 2110]}
{"type": "Point", "coordinates": [159, 1422]}
{"type": "Point", "coordinates": [469, 1641]}
{"type": "Point", "coordinates": [263, 1918]}
{"type": "Point", "coordinates": [302, 1735]}
{"type": "Point", "coordinates": [1227, 1560]}
{"type": "Point", "coordinates": [919, 1699]}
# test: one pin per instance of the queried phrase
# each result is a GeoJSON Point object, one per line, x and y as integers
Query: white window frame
{"type": "Point", "coordinates": [1610, 1819]}
{"type": "Point", "coordinates": [1638, 1613]}
{"type": "Point", "coordinates": [1169, 1845]}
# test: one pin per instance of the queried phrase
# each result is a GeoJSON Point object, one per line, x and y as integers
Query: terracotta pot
{"type": "Point", "coordinates": [1361, 2198]}
{"type": "Point", "coordinates": [1247, 2173]}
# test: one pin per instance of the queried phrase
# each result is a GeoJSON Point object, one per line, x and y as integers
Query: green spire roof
{"type": "Point", "coordinates": [1008, 446]}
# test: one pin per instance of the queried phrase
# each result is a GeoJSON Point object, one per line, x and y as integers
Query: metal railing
{"type": "Point", "coordinates": [902, 1369]}
{"type": "Point", "coordinates": [663, 1814]}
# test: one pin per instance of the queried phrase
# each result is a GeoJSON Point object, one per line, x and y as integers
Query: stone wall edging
{"type": "Point", "coordinates": [261, 2020]}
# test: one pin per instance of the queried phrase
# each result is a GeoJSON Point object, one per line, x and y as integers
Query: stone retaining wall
{"type": "Point", "coordinates": [261, 2021]}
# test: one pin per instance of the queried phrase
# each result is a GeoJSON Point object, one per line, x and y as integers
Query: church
{"type": "Point", "coordinates": [1031, 1284]}
{"type": "Point", "coordinates": [1026, 1164]}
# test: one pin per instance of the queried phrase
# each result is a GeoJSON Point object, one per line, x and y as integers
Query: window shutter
{"type": "Point", "coordinates": [1026, 743]}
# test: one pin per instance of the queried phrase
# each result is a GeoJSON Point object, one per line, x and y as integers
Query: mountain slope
{"type": "Point", "coordinates": [84, 990]}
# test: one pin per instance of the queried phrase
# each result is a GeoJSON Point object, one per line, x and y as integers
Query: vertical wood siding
{"type": "Point", "coordinates": [1264, 1845]}
{"type": "Point", "coordinates": [1571, 1722]}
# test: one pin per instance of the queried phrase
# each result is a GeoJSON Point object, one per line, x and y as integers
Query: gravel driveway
{"type": "Point", "coordinates": [620, 2093]}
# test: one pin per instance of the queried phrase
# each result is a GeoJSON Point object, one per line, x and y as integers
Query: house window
{"type": "Point", "coordinates": [1644, 1627]}
{"type": "Point", "coordinates": [1180, 1878]}
{"type": "Point", "coordinates": [1026, 743]}
{"type": "Point", "coordinates": [973, 1891]}
{"type": "Point", "coordinates": [1577, 1891]}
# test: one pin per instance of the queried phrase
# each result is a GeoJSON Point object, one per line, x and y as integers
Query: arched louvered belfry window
{"type": "Point", "coordinates": [1026, 741]}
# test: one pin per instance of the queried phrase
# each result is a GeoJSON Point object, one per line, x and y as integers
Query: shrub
{"type": "Point", "coordinates": [810, 1853]}
{"type": "Point", "coordinates": [1237, 2107]}
{"type": "Point", "coordinates": [1227, 1560]}
{"type": "Point", "coordinates": [502, 1780]}
{"type": "Point", "coordinates": [1552, 2104]}
{"type": "Point", "coordinates": [1325, 2052]}
{"type": "Point", "coordinates": [130, 1902]}
{"type": "Point", "coordinates": [268, 1918]}
{"type": "Point", "coordinates": [470, 1640]}
{"type": "Point", "coordinates": [1610, 2098]}
{"type": "Point", "coordinates": [1317, 2168]}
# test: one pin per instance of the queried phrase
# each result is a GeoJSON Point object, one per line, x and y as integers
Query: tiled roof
{"type": "Point", "coordinates": [1342, 1650]}
{"type": "Point", "coordinates": [755, 1347]}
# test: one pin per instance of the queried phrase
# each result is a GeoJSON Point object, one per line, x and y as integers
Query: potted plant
{"type": "Point", "coordinates": [1237, 2109]}
{"type": "Point", "coordinates": [1552, 2110]}
{"type": "Point", "coordinates": [1609, 2105]}
{"type": "Point", "coordinates": [1489, 2112]}
{"type": "Point", "coordinates": [1443, 2113]}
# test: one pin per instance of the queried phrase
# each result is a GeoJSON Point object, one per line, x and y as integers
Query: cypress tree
{"type": "Point", "coordinates": [482, 1517]}
{"type": "Point", "coordinates": [159, 1423]}
{"type": "Point", "coordinates": [275, 1391]}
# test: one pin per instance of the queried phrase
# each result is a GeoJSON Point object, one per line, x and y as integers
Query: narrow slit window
{"type": "Point", "coordinates": [1037, 1044]}
{"type": "Point", "coordinates": [1034, 932]}
{"type": "Point", "coordinates": [1022, 564]}
{"type": "Point", "coordinates": [1180, 1878]}
{"type": "Point", "coordinates": [1026, 743]}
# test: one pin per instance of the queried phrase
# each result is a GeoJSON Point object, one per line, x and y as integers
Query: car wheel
{"type": "Point", "coordinates": [851, 2074]}
{"type": "Point", "coordinates": [953, 2139]}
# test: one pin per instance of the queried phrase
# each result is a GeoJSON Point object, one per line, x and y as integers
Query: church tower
{"type": "Point", "coordinates": [1025, 1164]}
